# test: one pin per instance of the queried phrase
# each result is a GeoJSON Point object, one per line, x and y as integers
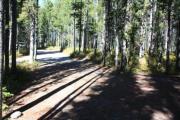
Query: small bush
{"type": "Point", "coordinates": [77, 54]}
{"type": "Point", "coordinates": [23, 51]}
{"type": "Point", "coordinates": [14, 83]}
{"type": "Point", "coordinates": [5, 95]}
{"type": "Point", "coordinates": [96, 58]}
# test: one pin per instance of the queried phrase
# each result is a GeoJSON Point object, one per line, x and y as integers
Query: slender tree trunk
{"type": "Point", "coordinates": [150, 26]}
{"type": "Point", "coordinates": [95, 45]}
{"type": "Point", "coordinates": [166, 39]}
{"type": "Point", "coordinates": [169, 39]}
{"type": "Point", "coordinates": [14, 34]}
{"type": "Point", "coordinates": [36, 29]}
{"type": "Point", "coordinates": [82, 39]}
{"type": "Point", "coordinates": [10, 27]}
{"type": "Point", "coordinates": [178, 47]}
{"type": "Point", "coordinates": [32, 39]}
{"type": "Point", "coordinates": [1, 51]}
{"type": "Point", "coordinates": [106, 39]}
{"type": "Point", "coordinates": [86, 29]}
{"type": "Point", "coordinates": [74, 33]}
{"type": "Point", "coordinates": [116, 39]}
{"type": "Point", "coordinates": [80, 29]}
{"type": "Point", "coordinates": [116, 51]}
{"type": "Point", "coordinates": [6, 41]}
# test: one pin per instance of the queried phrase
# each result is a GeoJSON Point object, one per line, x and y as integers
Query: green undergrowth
{"type": "Point", "coordinates": [150, 65]}
{"type": "Point", "coordinates": [146, 64]}
{"type": "Point", "coordinates": [15, 82]}
{"type": "Point", "coordinates": [68, 51]}
{"type": "Point", "coordinates": [53, 48]}
{"type": "Point", "coordinates": [89, 54]}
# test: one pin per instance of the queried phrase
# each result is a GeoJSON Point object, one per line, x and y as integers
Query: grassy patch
{"type": "Point", "coordinates": [53, 48]}
{"type": "Point", "coordinates": [77, 54]}
{"type": "Point", "coordinates": [96, 58]}
{"type": "Point", "coordinates": [150, 65]}
{"type": "Point", "coordinates": [5, 95]}
{"type": "Point", "coordinates": [14, 83]}
{"type": "Point", "coordinates": [68, 51]}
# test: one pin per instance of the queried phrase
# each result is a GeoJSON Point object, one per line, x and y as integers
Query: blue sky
{"type": "Point", "coordinates": [41, 2]}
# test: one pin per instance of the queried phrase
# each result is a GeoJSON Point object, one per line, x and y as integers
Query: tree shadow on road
{"type": "Point", "coordinates": [127, 97]}
{"type": "Point", "coordinates": [56, 72]}
{"type": "Point", "coordinates": [47, 95]}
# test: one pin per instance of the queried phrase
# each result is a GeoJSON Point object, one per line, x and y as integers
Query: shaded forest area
{"type": "Point", "coordinates": [133, 36]}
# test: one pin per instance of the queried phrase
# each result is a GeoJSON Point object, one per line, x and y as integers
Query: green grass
{"type": "Point", "coordinates": [95, 58]}
{"type": "Point", "coordinates": [77, 54]}
{"type": "Point", "coordinates": [68, 51]}
{"type": "Point", "coordinates": [14, 83]}
{"type": "Point", "coordinates": [146, 64]}
{"type": "Point", "coordinates": [150, 65]}
{"type": "Point", "coordinates": [53, 48]}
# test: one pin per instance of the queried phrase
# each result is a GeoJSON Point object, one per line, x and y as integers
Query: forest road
{"type": "Point", "coordinates": [47, 56]}
{"type": "Point", "coordinates": [57, 83]}
{"type": "Point", "coordinates": [66, 89]}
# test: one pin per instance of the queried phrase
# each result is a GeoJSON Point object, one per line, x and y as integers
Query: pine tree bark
{"type": "Point", "coordinates": [13, 34]}
{"type": "Point", "coordinates": [150, 27]}
{"type": "Point", "coordinates": [1, 50]}
{"type": "Point", "coordinates": [169, 39]}
{"type": "Point", "coordinates": [32, 39]}
{"type": "Point", "coordinates": [106, 39]}
{"type": "Point", "coordinates": [116, 38]}
{"type": "Point", "coordinates": [74, 33]}
{"type": "Point", "coordinates": [178, 47]}
{"type": "Point", "coordinates": [80, 29]}
{"type": "Point", "coordinates": [36, 29]}
{"type": "Point", "coordinates": [6, 41]}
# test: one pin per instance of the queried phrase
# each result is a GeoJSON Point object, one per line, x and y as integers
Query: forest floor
{"type": "Point", "coordinates": [66, 89]}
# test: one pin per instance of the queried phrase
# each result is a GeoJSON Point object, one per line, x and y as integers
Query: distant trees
{"type": "Point", "coordinates": [121, 31]}
{"type": "Point", "coordinates": [77, 6]}
{"type": "Point", "coordinates": [16, 29]}
{"type": "Point", "coordinates": [177, 24]}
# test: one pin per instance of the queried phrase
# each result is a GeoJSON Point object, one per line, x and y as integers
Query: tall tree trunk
{"type": "Point", "coordinates": [32, 39]}
{"type": "Point", "coordinates": [6, 41]}
{"type": "Point", "coordinates": [86, 29]}
{"type": "Point", "coordinates": [150, 26]}
{"type": "Point", "coordinates": [1, 51]}
{"type": "Point", "coordinates": [80, 29]}
{"type": "Point", "coordinates": [10, 27]}
{"type": "Point", "coordinates": [178, 47]}
{"type": "Point", "coordinates": [95, 45]}
{"type": "Point", "coordinates": [14, 34]}
{"type": "Point", "coordinates": [106, 39]}
{"type": "Point", "coordinates": [116, 51]}
{"type": "Point", "coordinates": [82, 39]}
{"type": "Point", "coordinates": [74, 33]}
{"type": "Point", "coordinates": [36, 29]}
{"type": "Point", "coordinates": [116, 38]}
{"type": "Point", "coordinates": [169, 39]}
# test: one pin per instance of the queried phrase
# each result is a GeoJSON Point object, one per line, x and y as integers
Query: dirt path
{"type": "Point", "coordinates": [58, 79]}
{"type": "Point", "coordinates": [79, 90]}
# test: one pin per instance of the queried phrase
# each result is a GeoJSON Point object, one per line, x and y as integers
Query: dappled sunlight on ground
{"type": "Point", "coordinates": [145, 85]}
{"type": "Point", "coordinates": [159, 115]}
{"type": "Point", "coordinates": [84, 91]}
